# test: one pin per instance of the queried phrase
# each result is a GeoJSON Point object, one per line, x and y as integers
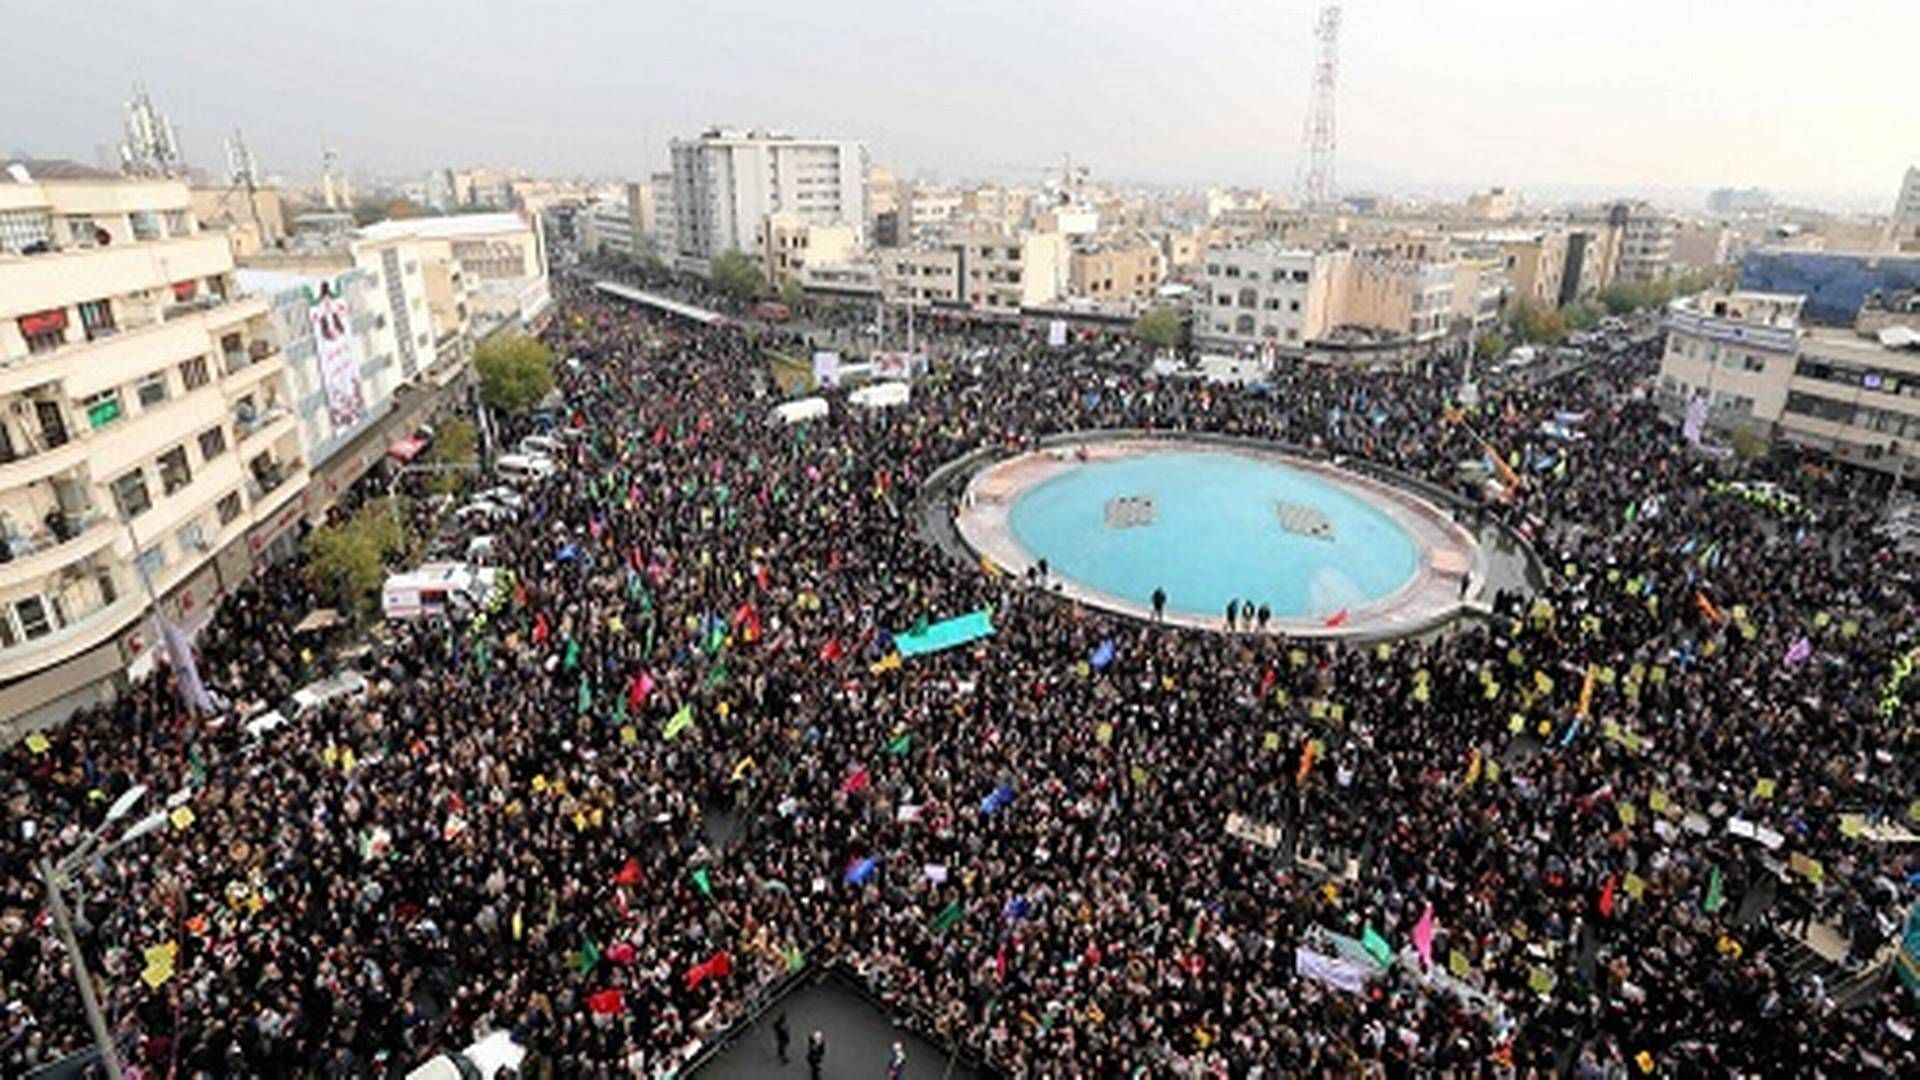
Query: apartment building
{"type": "Point", "coordinates": [726, 182]}
{"type": "Point", "coordinates": [1735, 349]}
{"type": "Point", "coordinates": [1903, 231]}
{"type": "Point", "coordinates": [788, 244]}
{"type": "Point", "coordinates": [147, 442]}
{"type": "Point", "coordinates": [1265, 293]}
{"type": "Point", "coordinates": [1115, 268]}
{"type": "Point", "coordinates": [921, 276]}
{"type": "Point", "coordinates": [482, 271]}
{"type": "Point", "coordinates": [623, 226]}
{"type": "Point", "coordinates": [1532, 260]}
{"type": "Point", "coordinates": [1403, 299]}
{"type": "Point", "coordinates": [1850, 393]}
{"type": "Point", "coordinates": [1646, 242]}
{"type": "Point", "coordinates": [1002, 272]}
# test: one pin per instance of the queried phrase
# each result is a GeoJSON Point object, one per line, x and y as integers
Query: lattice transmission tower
{"type": "Point", "coordinates": [1316, 140]}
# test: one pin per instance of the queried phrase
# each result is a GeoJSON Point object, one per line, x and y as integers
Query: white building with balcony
{"type": "Point", "coordinates": [146, 434]}
{"type": "Point", "coordinates": [726, 182]}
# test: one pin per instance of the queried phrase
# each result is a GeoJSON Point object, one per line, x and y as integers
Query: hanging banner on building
{"type": "Point", "coordinates": [1057, 334]}
{"type": "Point", "coordinates": [1696, 420]}
{"type": "Point", "coordinates": [337, 354]}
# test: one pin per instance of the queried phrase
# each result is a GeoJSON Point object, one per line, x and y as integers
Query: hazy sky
{"type": "Point", "coordinates": [1802, 96]}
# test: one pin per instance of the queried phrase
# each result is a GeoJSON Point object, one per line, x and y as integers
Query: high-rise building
{"type": "Point", "coordinates": [726, 182]}
{"type": "Point", "coordinates": [148, 448]}
{"type": "Point", "coordinates": [1646, 241]}
{"type": "Point", "coordinates": [1905, 232]}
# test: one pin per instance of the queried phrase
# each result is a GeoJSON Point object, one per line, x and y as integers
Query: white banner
{"type": "Point", "coordinates": [1339, 974]}
{"type": "Point", "coordinates": [826, 369]}
{"type": "Point", "coordinates": [337, 355]}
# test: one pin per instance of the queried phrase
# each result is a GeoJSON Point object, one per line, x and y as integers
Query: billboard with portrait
{"type": "Point", "coordinates": [337, 356]}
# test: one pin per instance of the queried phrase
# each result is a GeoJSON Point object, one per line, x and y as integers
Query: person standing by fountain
{"type": "Point", "coordinates": [1159, 603]}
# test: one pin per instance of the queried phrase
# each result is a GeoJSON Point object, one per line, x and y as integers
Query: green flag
{"type": "Point", "coordinates": [703, 880]}
{"type": "Point", "coordinates": [589, 955]}
{"type": "Point", "coordinates": [1716, 896]}
{"type": "Point", "coordinates": [681, 721]}
{"type": "Point", "coordinates": [1376, 946]}
{"type": "Point", "coordinates": [794, 957]}
{"type": "Point", "coordinates": [586, 698]}
{"type": "Point", "coordinates": [718, 675]}
{"type": "Point", "coordinates": [573, 655]}
{"type": "Point", "coordinates": [902, 744]}
{"type": "Point", "coordinates": [948, 916]}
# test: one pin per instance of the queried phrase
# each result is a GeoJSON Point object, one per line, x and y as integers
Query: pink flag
{"type": "Point", "coordinates": [1423, 936]}
{"type": "Point", "coordinates": [1798, 652]}
{"type": "Point", "coordinates": [856, 783]}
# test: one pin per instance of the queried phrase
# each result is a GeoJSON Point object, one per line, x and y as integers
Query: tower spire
{"type": "Point", "coordinates": [1317, 142]}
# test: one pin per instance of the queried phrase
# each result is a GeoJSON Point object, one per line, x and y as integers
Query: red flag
{"type": "Point", "coordinates": [832, 650]}
{"type": "Point", "coordinates": [748, 620]}
{"type": "Point", "coordinates": [1606, 898]}
{"type": "Point", "coordinates": [1338, 618]}
{"type": "Point", "coordinates": [607, 1003]}
{"type": "Point", "coordinates": [760, 577]}
{"type": "Point", "coordinates": [621, 952]}
{"type": "Point", "coordinates": [638, 689]}
{"type": "Point", "coordinates": [1000, 962]}
{"type": "Point", "coordinates": [857, 782]}
{"type": "Point", "coordinates": [540, 630]}
{"type": "Point", "coordinates": [629, 874]}
{"type": "Point", "coordinates": [660, 435]}
{"type": "Point", "coordinates": [1267, 681]}
{"type": "Point", "coordinates": [716, 966]}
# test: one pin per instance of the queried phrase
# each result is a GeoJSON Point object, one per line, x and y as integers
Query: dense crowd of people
{"type": "Point", "coordinates": [680, 758]}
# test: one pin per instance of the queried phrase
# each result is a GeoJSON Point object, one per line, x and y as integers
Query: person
{"type": "Point", "coordinates": [816, 1054]}
{"type": "Point", "coordinates": [1159, 603]}
{"type": "Point", "coordinates": [1233, 612]}
{"type": "Point", "coordinates": [1266, 613]}
{"type": "Point", "coordinates": [781, 1036]}
{"type": "Point", "coordinates": [897, 1063]}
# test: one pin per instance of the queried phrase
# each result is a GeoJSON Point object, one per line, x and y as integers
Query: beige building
{"type": "Point", "coordinates": [146, 435]}
{"type": "Point", "coordinates": [921, 276]}
{"type": "Point", "coordinates": [1127, 268]}
{"type": "Point", "coordinates": [254, 221]}
{"type": "Point", "coordinates": [789, 244]}
{"type": "Point", "coordinates": [1003, 273]}
{"type": "Point", "coordinates": [1183, 252]}
{"type": "Point", "coordinates": [482, 271]}
{"type": "Point", "coordinates": [1853, 395]}
{"type": "Point", "coordinates": [1702, 245]}
{"type": "Point", "coordinates": [1266, 294]}
{"type": "Point", "coordinates": [1531, 261]}
{"type": "Point", "coordinates": [1493, 204]}
{"type": "Point", "coordinates": [1736, 350]}
{"type": "Point", "coordinates": [1646, 242]}
{"type": "Point", "coordinates": [1400, 298]}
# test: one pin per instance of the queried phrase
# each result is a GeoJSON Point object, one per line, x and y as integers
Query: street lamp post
{"type": "Point", "coordinates": [58, 877]}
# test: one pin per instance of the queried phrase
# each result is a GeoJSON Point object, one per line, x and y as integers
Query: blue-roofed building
{"type": "Point", "coordinates": [1835, 283]}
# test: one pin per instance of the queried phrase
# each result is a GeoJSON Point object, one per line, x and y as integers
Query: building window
{"type": "Point", "coordinates": [1293, 305]}
{"type": "Point", "coordinates": [228, 507]}
{"type": "Point", "coordinates": [177, 223]}
{"type": "Point", "coordinates": [82, 232]}
{"type": "Point", "coordinates": [194, 374]}
{"type": "Point", "coordinates": [152, 561]}
{"type": "Point", "coordinates": [174, 473]}
{"type": "Point", "coordinates": [9, 637]}
{"type": "Point", "coordinates": [34, 621]}
{"type": "Point", "coordinates": [213, 443]}
{"type": "Point", "coordinates": [25, 231]}
{"type": "Point", "coordinates": [146, 225]}
{"type": "Point", "coordinates": [45, 331]}
{"type": "Point", "coordinates": [130, 494]}
{"type": "Point", "coordinates": [97, 317]}
{"type": "Point", "coordinates": [102, 408]}
{"type": "Point", "coordinates": [152, 390]}
{"type": "Point", "coordinates": [190, 538]}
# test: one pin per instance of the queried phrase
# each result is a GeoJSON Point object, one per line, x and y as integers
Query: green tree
{"type": "Point", "coordinates": [1536, 325]}
{"type": "Point", "coordinates": [1158, 327]}
{"type": "Point", "coordinates": [1581, 314]}
{"type": "Point", "coordinates": [453, 445]}
{"type": "Point", "coordinates": [736, 275]}
{"type": "Point", "coordinates": [516, 371]}
{"type": "Point", "coordinates": [1490, 347]}
{"type": "Point", "coordinates": [350, 558]}
{"type": "Point", "coordinates": [791, 293]}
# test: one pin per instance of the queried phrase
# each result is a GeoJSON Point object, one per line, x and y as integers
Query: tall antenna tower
{"type": "Point", "coordinates": [1316, 151]}
{"type": "Point", "coordinates": [242, 170]}
{"type": "Point", "coordinates": [150, 148]}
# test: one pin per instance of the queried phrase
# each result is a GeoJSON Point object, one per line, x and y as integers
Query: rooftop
{"type": "Point", "coordinates": [441, 228]}
{"type": "Point", "coordinates": [38, 170]}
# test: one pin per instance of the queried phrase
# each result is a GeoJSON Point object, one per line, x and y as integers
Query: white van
{"type": "Point", "coordinates": [484, 1060]}
{"type": "Point", "coordinates": [523, 468]}
{"type": "Point", "coordinates": [436, 589]}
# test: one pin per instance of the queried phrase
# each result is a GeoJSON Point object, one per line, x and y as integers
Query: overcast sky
{"type": "Point", "coordinates": [1813, 97]}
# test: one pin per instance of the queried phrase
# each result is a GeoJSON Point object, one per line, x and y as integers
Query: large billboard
{"type": "Point", "coordinates": [337, 355]}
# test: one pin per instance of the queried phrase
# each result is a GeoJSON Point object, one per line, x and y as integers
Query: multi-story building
{"type": "Point", "coordinates": [788, 244]}
{"type": "Point", "coordinates": [1850, 393]}
{"type": "Point", "coordinates": [1479, 292]}
{"type": "Point", "coordinates": [1593, 257]}
{"type": "Point", "coordinates": [1646, 242]}
{"type": "Point", "coordinates": [1122, 268]}
{"type": "Point", "coordinates": [1732, 202]}
{"type": "Point", "coordinates": [1002, 272]}
{"type": "Point", "coordinates": [1183, 252]}
{"type": "Point", "coordinates": [254, 220]}
{"type": "Point", "coordinates": [925, 213]}
{"type": "Point", "coordinates": [1402, 299]}
{"type": "Point", "coordinates": [725, 183]}
{"type": "Point", "coordinates": [1493, 204]}
{"type": "Point", "coordinates": [1702, 245]}
{"type": "Point", "coordinates": [1264, 293]}
{"type": "Point", "coordinates": [1532, 260]}
{"type": "Point", "coordinates": [922, 276]}
{"type": "Point", "coordinates": [482, 270]}
{"type": "Point", "coordinates": [623, 226]}
{"type": "Point", "coordinates": [1736, 350]}
{"type": "Point", "coordinates": [148, 449]}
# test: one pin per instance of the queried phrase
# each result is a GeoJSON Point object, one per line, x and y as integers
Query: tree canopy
{"type": "Point", "coordinates": [736, 275]}
{"type": "Point", "coordinates": [1158, 327]}
{"type": "Point", "coordinates": [516, 371]}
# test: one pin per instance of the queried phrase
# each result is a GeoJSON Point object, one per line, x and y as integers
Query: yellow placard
{"type": "Point", "coordinates": [38, 743]}
{"type": "Point", "coordinates": [181, 817]}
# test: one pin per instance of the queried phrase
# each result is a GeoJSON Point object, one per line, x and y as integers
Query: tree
{"type": "Point", "coordinates": [350, 558]}
{"type": "Point", "coordinates": [453, 445]}
{"type": "Point", "coordinates": [1581, 314]}
{"type": "Point", "coordinates": [516, 371]}
{"type": "Point", "coordinates": [1158, 327]}
{"type": "Point", "coordinates": [1535, 324]}
{"type": "Point", "coordinates": [736, 275]}
{"type": "Point", "coordinates": [1490, 346]}
{"type": "Point", "coordinates": [791, 292]}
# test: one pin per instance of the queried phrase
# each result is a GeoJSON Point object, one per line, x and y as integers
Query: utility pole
{"type": "Point", "coordinates": [1317, 141]}
{"type": "Point", "coordinates": [63, 925]}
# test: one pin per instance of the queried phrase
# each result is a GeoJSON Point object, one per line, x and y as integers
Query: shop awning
{"type": "Point", "coordinates": [407, 449]}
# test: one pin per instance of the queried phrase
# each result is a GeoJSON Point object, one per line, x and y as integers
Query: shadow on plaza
{"type": "Point", "coordinates": [860, 1037]}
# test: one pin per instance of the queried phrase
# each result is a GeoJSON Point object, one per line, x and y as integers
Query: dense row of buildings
{"type": "Point", "coordinates": [178, 396]}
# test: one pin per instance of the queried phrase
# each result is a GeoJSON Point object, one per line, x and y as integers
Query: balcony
{"type": "Point", "coordinates": [126, 352]}
{"type": "Point", "coordinates": [266, 423]}
{"type": "Point", "coordinates": [83, 631]}
{"type": "Point", "coordinates": [63, 539]}
{"type": "Point", "coordinates": [55, 278]}
{"type": "Point", "coordinates": [30, 463]}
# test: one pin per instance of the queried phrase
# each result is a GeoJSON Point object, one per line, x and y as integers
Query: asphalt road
{"type": "Point", "coordinates": [859, 1039]}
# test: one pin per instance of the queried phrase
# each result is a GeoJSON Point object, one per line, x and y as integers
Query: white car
{"type": "Point", "coordinates": [540, 446]}
{"type": "Point", "coordinates": [503, 496]}
{"type": "Point", "coordinates": [522, 468]}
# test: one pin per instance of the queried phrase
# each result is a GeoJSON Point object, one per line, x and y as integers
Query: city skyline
{"type": "Point", "coordinates": [1430, 100]}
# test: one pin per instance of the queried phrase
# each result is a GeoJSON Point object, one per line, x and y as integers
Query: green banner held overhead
{"type": "Point", "coordinates": [945, 634]}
